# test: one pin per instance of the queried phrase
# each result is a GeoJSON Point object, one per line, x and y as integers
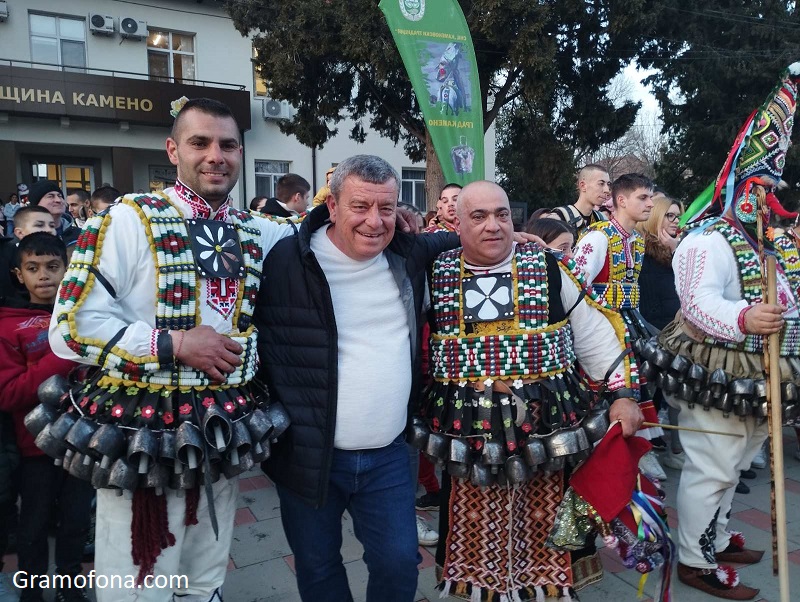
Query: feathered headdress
{"type": "Point", "coordinates": [757, 157]}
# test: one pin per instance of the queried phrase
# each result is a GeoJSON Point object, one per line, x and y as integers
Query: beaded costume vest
{"type": "Point", "coordinates": [618, 283]}
{"type": "Point", "coordinates": [750, 285]}
{"type": "Point", "coordinates": [176, 285]}
{"type": "Point", "coordinates": [495, 326]}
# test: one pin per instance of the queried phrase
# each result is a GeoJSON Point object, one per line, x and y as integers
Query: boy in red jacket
{"type": "Point", "coordinates": [26, 360]}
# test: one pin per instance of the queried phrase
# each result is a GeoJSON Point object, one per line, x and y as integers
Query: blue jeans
{"type": "Point", "coordinates": [375, 487]}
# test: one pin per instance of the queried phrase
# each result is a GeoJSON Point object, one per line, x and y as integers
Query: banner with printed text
{"type": "Point", "coordinates": [436, 48]}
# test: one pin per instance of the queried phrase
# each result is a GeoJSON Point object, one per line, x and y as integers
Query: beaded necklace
{"type": "Point", "coordinates": [789, 258]}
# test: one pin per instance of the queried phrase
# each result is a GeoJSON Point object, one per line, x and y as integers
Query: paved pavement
{"type": "Point", "coordinates": [261, 568]}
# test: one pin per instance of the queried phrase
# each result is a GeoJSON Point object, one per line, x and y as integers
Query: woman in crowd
{"type": "Point", "coordinates": [557, 235]}
{"type": "Point", "coordinates": [658, 299]}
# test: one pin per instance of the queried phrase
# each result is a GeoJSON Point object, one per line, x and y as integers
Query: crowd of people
{"type": "Point", "coordinates": [178, 341]}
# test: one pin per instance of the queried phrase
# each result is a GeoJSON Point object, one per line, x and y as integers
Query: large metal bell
{"type": "Point", "coordinates": [516, 471]}
{"type": "Point", "coordinates": [638, 346]}
{"type": "Point", "coordinates": [582, 439]}
{"type": "Point", "coordinates": [240, 443]}
{"type": "Point", "coordinates": [481, 475]}
{"type": "Point", "coordinates": [39, 417]}
{"type": "Point", "coordinates": [143, 449]}
{"type": "Point", "coordinates": [724, 403]}
{"type": "Point", "coordinates": [718, 382]}
{"type": "Point", "coordinates": [687, 393]}
{"type": "Point", "coordinates": [649, 350]}
{"type": "Point", "coordinates": [123, 476]}
{"type": "Point", "coordinates": [52, 390]}
{"type": "Point", "coordinates": [108, 442]}
{"type": "Point", "coordinates": [63, 424]}
{"type": "Point", "coordinates": [157, 478]}
{"type": "Point", "coordinates": [680, 367]}
{"type": "Point", "coordinates": [418, 433]}
{"type": "Point", "coordinates": [53, 447]}
{"type": "Point", "coordinates": [212, 474]}
{"type": "Point", "coordinates": [563, 443]}
{"type": "Point", "coordinates": [493, 455]}
{"type": "Point", "coordinates": [184, 480]}
{"type": "Point", "coordinates": [100, 476]}
{"type": "Point", "coordinates": [790, 412]}
{"type": "Point", "coordinates": [670, 383]}
{"type": "Point", "coordinates": [217, 428]}
{"type": "Point", "coordinates": [458, 459]}
{"type": "Point", "coordinates": [167, 454]}
{"type": "Point", "coordinates": [261, 451]}
{"type": "Point", "coordinates": [80, 435]}
{"type": "Point", "coordinates": [662, 359]}
{"type": "Point", "coordinates": [697, 376]}
{"type": "Point", "coordinates": [741, 391]}
{"type": "Point", "coordinates": [648, 370]}
{"type": "Point", "coordinates": [81, 467]}
{"type": "Point", "coordinates": [437, 447]}
{"type": "Point", "coordinates": [553, 465]}
{"type": "Point", "coordinates": [279, 418]}
{"type": "Point", "coordinates": [189, 444]}
{"type": "Point", "coordinates": [243, 463]}
{"type": "Point", "coordinates": [534, 452]}
{"type": "Point", "coordinates": [259, 425]}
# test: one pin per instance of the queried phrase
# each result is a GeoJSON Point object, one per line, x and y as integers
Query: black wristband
{"type": "Point", "coordinates": [624, 392]}
{"type": "Point", "coordinates": [166, 359]}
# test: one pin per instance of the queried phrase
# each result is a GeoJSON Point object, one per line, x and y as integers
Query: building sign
{"type": "Point", "coordinates": [46, 93]}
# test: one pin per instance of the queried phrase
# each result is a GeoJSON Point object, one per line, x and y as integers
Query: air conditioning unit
{"type": "Point", "coordinates": [101, 25]}
{"type": "Point", "coordinates": [277, 109]}
{"type": "Point", "coordinates": [3, 10]}
{"type": "Point", "coordinates": [132, 28]}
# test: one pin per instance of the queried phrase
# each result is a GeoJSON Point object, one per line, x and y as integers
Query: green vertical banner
{"type": "Point", "coordinates": [436, 48]}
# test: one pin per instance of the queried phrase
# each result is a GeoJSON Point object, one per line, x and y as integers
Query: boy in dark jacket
{"type": "Point", "coordinates": [26, 360]}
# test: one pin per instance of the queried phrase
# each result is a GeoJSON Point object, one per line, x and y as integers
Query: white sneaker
{"type": "Point", "coordinates": [672, 460]}
{"type": "Point", "coordinates": [425, 535]}
{"type": "Point", "coordinates": [651, 468]}
{"type": "Point", "coordinates": [7, 591]}
{"type": "Point", "coordinates": [760, 461]}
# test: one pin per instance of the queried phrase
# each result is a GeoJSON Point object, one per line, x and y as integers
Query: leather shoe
{"type": "Point", "coordinates": [742, 487]}
{"type": "Point", "coordinates": [706, 580]}
{"type": "Point", "coordinates": [734, 553]}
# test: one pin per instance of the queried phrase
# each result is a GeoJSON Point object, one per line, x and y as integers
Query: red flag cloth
{"type": "Point", "coordinates": [608, 478]}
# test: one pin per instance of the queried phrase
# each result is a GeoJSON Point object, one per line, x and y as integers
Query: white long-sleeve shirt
{"type": "Point", "coordinates": [126, 262]}
{"type": "Point", "coordinates": [708, 284]}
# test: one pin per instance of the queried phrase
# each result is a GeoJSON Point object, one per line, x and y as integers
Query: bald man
{"type": "Point", "coordinates": [500, 308]}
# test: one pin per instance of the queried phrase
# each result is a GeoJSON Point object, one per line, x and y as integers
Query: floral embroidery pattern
{"type": "Point", "coordinates": [708, 538]}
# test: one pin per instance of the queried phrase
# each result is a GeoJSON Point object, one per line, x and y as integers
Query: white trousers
{"type": "Point", "coordinates": [196, 553]}
{"type": "Point", "coordinates": [709, 478]}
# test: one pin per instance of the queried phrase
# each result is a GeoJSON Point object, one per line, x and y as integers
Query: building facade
{"type": "Point", "coordinates": [87, 86]}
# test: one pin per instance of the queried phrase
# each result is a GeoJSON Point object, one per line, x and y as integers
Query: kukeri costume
{"type": "Point", "coordinates": [611, 259]}
{"type": "Point", "coordinates": [706, 361]}
{"type": "Point", "coordinates": [143, 422]}
{"type": "Point", "coordinates": [508, 407]}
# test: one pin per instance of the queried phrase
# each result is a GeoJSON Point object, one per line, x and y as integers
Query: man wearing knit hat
{"type": "Point", "coordinates": [48, 194]}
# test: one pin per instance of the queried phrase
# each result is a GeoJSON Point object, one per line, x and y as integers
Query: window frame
{"type": "Point", "coordinates": [170, 53]}
{"type": "Point", "coordinates": [258, 78]}
{"type": "Point", "coordinates": [272, 176]}
{"type": "Point", "coordinates": [414, 183]}
{"type": "Point", "coordinates": [59, 39]}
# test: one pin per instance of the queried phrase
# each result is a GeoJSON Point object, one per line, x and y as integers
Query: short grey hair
{"type": "Point", "coordinates": [367, 168]}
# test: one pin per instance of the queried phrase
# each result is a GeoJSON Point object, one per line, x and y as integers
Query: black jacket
{"type": "Point", "coordinates": [273, 207]}
{"type": "Point", "coordinates": [298, 347]}
{"type": "Point", "coordinates": [658, 299]}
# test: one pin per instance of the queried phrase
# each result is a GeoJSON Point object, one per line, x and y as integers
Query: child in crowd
{"type": "Point", "coordinates": [26, 221]}
{"type": "Point", "coordinates": [26, 360]}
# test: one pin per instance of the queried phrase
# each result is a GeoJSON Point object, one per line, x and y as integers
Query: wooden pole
{"type": "Point", "coordinates": [780, 559]}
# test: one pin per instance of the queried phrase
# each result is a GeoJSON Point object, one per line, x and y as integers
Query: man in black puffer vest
{"type": "Point", "coordinates": [338, 315]}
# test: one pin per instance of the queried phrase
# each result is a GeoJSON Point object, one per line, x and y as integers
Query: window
{"type": "Point", "coordinates": [267, 174]}
{"type": "Point", "coordinates": [58, 40]}
{"type": "Point", "coordinates": [259, 83]}
{"type": "Point", "coordinates": [170, 56]}
{"type": "Point", "coordinates": [412, 188]}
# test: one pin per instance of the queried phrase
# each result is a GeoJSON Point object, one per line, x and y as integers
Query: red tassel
{"type": "Point", "coordinates": [775, 206]}
{"type": "Point", "coordinates": [149, 531]}
{"type": "Point", "coordinates": [192, 500]}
